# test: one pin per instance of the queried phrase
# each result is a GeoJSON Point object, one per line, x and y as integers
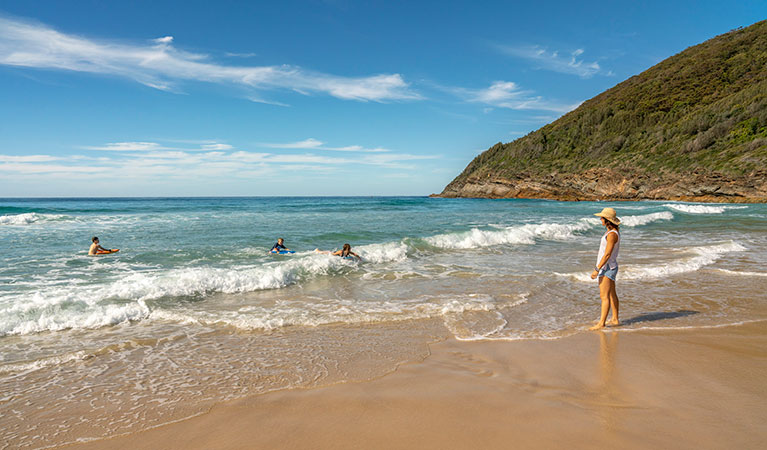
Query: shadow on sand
{"type": "Point", "coordinates": [662, 315]}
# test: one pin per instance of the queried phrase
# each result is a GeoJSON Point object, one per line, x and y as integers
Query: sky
{"type": "Point", "coordinates": [336, 97]}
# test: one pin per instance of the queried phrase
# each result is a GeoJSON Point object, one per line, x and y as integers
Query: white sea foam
{"type": "Point", "coordinates": [702, 209]}
{"type": "Point", "coordinates": [68, 306]}
{"type": "Point", "coordinates": [379, 253]}
{"type": "Point", "coordinates": [28, 366]}
{"type": "Point", "coordinates": [523, 234]}
{"type": "Point", "coordinates": [30, 218]}
{"type": "Point", "coordinates": [743, 273]}
{"type": "Point", "coordinates": [50, 314]}
{"type": "Point", "coordinates": [308, 313]}
{"type": "Point", "coordinates": [702, 256]}
{"type": "Point", "coordinates": [202, 280]}
{"type": "Point", "coordinates": [527, 234]}
{"type": "Point", "coordinates": [644, 219]}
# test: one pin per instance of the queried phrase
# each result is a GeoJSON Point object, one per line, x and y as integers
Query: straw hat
{"type": "Point", "coordinates": [610, 215]}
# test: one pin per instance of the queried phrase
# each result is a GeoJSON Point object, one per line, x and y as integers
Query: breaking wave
{"type": "Point", "coordinates": [528, 234]}
{"type": "Point", "coordinates": [703, 256]}
{"type": "Point", "coordinates": [702, 209]}
{"type": "Point", "coordinates": [30, 218]}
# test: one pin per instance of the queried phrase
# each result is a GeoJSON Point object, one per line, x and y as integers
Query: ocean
{"type": "Point", "coordinates": [193, 310]}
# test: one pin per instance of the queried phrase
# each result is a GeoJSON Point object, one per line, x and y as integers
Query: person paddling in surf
{"type": "Point", "coordinates": [345, 252]}
{"type": "Point", "coordinates": [278, 247]}
{"type": "Point", "coordinates": [96, 249]}
{"type": "Point", "coordinates": [607, 267]}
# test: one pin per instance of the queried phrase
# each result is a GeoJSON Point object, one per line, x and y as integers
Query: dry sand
{"type": "Point", "coordinates": [704, 388]}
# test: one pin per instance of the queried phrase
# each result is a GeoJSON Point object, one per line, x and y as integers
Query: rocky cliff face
{"type": "Point", "coordinates": [609, 184]}
{"type": "Point", "coordinates": [693, 127]}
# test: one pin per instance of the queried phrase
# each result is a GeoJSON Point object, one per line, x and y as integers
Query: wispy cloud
{"type": "Point", "coordinates": [160, 65]}
{"type": "Point", "coordinates": [27, 158]}
{"type": "Point", "coordinates": [128, 147]}
{"type": "Point", "coordinates": [240, 55]}
{"type": "Point", "coordinates": [507, 94]}
{"type": "Point", "coordinates": [556, 61]}
{"type": "Point", "coordinates": [189, 165]}
{"type": "Point", "coordinates": [216, 146]}
{"type": "Point", "coordinates": [306, 143]}
{"type": "Point", "coordinates": [151, 161]}
{"type": "Point", "coordinates": [140, 146]}
{"type": "Point", "coordinates": [312, 143]}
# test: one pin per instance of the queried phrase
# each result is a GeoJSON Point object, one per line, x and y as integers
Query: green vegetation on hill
{"type": "Point", "coordinates": [704, 110]}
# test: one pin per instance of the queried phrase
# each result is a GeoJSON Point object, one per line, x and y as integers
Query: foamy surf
{"type": "Point", "coordinates": [30, 218]}
{"type": "Point", "coordinates": [318, 312]}
{"type": "Point", "coordinates": [529, 233]}
{"type": "Point", "coordinates": [703, 256]}
{"type": "Point", "coordinates": [644, 219]}
{"type": "Point", "coordinates": [56, 314]}
{"type": "Point", "coordinates": [702, 209]}
{"type": "Point", "coordinates": [521, 235]}
{"type": "Point", "coordinates": [742, 273]}
{"type": "Point", "coordinates": [28, 366]}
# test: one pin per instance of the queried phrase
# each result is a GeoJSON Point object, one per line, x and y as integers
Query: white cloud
{"type": "Point", "coordinates": [507, 94]}
{"type": "Point", "coordinates": [27, 158]}
{"type": "Point", "coordinates": [161, 66]}
{"type": "Point", "coordinates": [29, 168]}
{"type": "Point", "coordinates": [216, 146]}
{"type": "Point", "coordinates": [149, 162]}
{"type": "Point", "coordinates": [256, 99]}
{"type": "Point", "coordinates": [553, 61]}
{"type": "Point", "coordinates": [306, 143]}
{"type": "Point", "coordinates": [240, 55]}
{"type": "Point", "coordinates": [129, 147]}
{"type": "Point", "coordinates": [356, 149]}
{"type": "Point", "coordinates": [315, 144]}
{"type": "Point", "coordinates": [140, 146]}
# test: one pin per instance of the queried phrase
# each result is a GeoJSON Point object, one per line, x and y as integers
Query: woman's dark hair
{"type": "Point", "coordinates": [94, 239]}
{"type": "Point", "coordinates": [612, 226]}
{"type": "Point", "coordinates": [346, 250]}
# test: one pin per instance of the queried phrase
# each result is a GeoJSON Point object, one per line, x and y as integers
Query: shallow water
{"type": "Point", "coordinates": [194, 310]}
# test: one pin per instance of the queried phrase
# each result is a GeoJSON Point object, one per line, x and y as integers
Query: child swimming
{"type": "Point", "coordinates": [96, 249]}
{"type": "Point", "coordinates": [345, 252]}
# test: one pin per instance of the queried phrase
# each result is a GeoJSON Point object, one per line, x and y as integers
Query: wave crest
{"type": "Point", "coordinates": [30, 218]}
{"type": "Point", "coordinates": [702, 209]}
{"type": "Point", "coordinates": [704, 255]}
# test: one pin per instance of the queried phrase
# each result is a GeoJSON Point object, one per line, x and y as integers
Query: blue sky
{"type": "Point", "coordinates": [334, 97]}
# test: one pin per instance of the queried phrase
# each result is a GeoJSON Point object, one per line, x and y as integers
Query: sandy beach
{"type": "Point", "coordinates": [700, 388]}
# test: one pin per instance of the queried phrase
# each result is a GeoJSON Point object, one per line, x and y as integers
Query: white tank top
{"type": "Point", "coordinates": [611, 263]}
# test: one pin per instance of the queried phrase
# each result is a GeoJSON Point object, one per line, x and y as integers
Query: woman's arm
{"type": "Point", "coordinates": [611, 240]}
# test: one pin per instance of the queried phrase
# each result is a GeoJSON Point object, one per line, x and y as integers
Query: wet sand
{"type": "Point", "coordinates": [702, 388]}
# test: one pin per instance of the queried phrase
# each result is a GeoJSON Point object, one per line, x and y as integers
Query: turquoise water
{"type": "Point", "coordinates": [195, 301]}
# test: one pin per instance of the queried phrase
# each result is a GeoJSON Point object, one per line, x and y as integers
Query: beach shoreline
{"type": "Point", "coordinates": [698, 388]}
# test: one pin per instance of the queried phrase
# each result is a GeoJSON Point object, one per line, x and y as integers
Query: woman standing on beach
{"type": "Point", "coordinates": [607, 266]}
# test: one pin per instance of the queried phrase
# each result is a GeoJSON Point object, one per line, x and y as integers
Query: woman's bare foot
{"type": "Point", "coordinates": [614, 323]}
{"type": "Point", "coordinates": [598, 326]}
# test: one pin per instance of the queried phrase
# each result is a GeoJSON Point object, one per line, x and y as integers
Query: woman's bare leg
{"type": "Point", "coordinates": [614, 303]}
{"type": "Point", "coordinates": [604, 294]}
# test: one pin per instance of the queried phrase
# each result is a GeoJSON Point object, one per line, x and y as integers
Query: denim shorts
{"type": "Point", "coordinates": [609, 273]}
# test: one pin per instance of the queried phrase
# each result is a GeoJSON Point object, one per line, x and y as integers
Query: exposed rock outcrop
{"type": "Point", "coordinates": [609, 184]}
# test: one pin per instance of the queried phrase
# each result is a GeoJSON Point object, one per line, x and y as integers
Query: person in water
{"type": "Point", "coordinates": [607, 267]}
{"type": "Point", "coordinates": [278, 247]}
{"type": "Point", "coordinates": [96, 249]}
{"type": "Point", "coordinates": [345, 252]}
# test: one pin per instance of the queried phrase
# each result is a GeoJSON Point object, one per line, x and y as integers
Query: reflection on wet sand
{"type": "Point", "coordinates": [610, 395]}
